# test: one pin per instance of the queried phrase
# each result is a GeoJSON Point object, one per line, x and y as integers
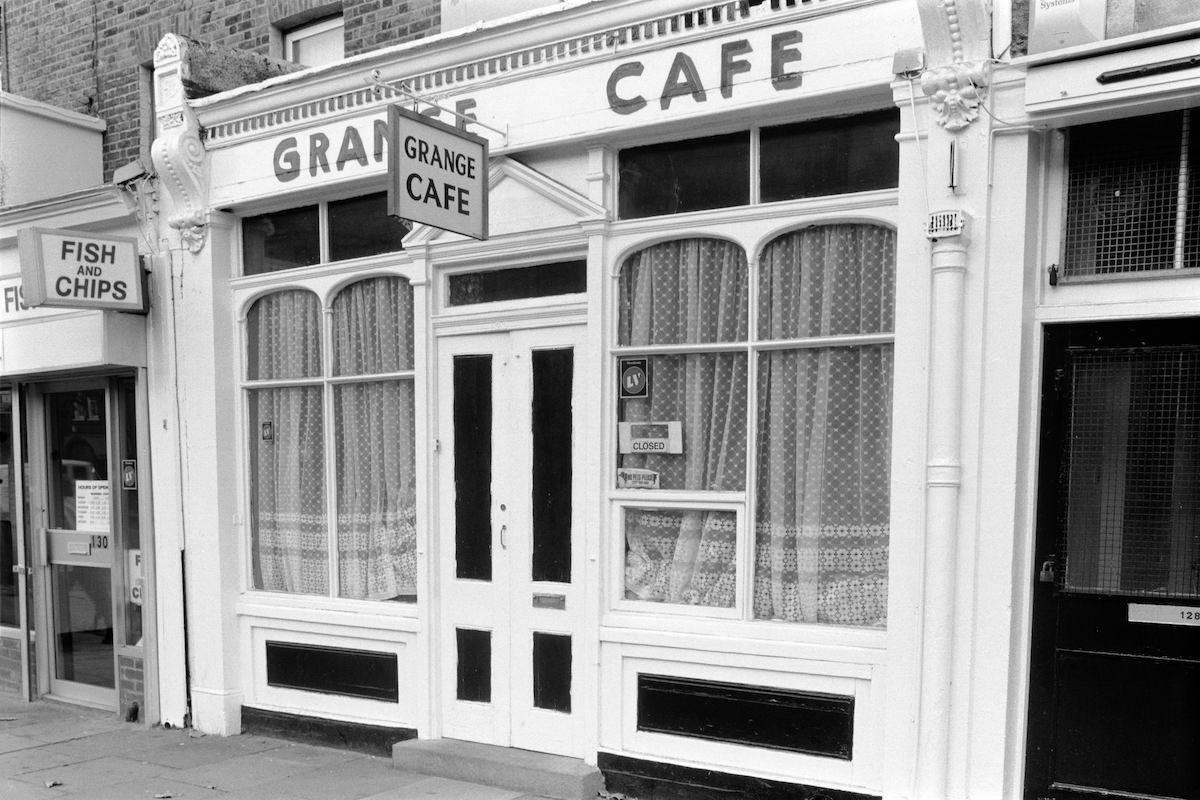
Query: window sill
{"type": "Point", "coordinates": [400, 617]}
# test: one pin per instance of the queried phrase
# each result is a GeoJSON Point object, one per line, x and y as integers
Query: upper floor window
{"type": "Point", "coordinates": [805, 159]}
{"type": "Point", "coordinates": [1132, 197]}
{"type": "Point", "coordinates": [810, 384]}
{"type": "Point", "coordinates": [328, 231]}
{"type": "Point", "coordinates": [332, 441]}
{"type": "Point", "coordinates": [316, 43]}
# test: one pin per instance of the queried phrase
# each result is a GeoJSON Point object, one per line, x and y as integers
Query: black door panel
{"type": "Point", "coordinates": [1114, 704]}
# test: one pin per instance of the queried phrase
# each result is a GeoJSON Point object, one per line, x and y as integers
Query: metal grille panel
{"type": "Point", "coordinates": [1131, 518]}
{"type": "Point", "coordinates": [1129, 197]}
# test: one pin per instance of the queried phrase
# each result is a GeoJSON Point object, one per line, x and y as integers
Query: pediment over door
{"type": "Point", "coordinates": [521, 200]}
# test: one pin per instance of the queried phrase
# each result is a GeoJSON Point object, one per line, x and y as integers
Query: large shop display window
{"type": "Point", "coordinates": [755, 403]}
{"type": "Point", "coordinates": [820, 364]}
{"type": "Point", "coordinates": [332, 451]}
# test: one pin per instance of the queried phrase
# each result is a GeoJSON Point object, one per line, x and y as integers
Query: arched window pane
{"type": "Point", "coordinates": [684, 291]}
{"type": "Point", "coordinates": [824, 428]}
{"type": "Point", "coordinates": [826, 281]}
{"type": "Point", "coordinates": [373, 327]}
{"type": "Point", "coordinates": [284, 337]}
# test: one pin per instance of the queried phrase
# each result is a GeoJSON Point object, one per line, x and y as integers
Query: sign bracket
{"type": "Point", "coordinates": [379, 86]}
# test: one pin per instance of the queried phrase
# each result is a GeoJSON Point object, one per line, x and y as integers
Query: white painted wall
{"type": "Point", "coordinates": [46, 151]}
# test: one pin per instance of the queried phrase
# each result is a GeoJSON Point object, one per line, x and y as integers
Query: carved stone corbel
{"type": "Point", "coordinates": [177, 151]}
{"type": "Point", "coordinates": [179, 159]}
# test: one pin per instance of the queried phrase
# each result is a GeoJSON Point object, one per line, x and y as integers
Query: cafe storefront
{"type": "Point", "coordinates": [651, 434]}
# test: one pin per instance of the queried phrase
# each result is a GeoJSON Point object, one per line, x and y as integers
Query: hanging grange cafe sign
{"type": "Point", "coordinates": [73, 269]}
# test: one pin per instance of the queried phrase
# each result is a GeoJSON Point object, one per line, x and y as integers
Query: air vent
{"type": "Point", "coordinates": [943, 224]}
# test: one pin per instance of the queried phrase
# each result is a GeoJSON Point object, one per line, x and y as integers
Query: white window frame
{"type": "Point", "coordinates": [325, 280]}
{"type": "Point", "coordinates": [311, 30]}
{"type": "Point", "coordinates": [753, 228]}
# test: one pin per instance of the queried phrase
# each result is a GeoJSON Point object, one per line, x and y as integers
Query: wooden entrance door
{"type": "Point", "coordinates": [510, 544]}
{"type": "Point", "coordinates": [1114, 703]}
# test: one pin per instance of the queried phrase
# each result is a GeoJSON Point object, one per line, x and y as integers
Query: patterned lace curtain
{"type": "Point", "coordinates": [287, 454]}
{"type": "Point", "coordinates": [824, 428]}
{"type": "Point", "coordinates": [375, 434]}
{"type": "Point", "coordinates": [688, 292]}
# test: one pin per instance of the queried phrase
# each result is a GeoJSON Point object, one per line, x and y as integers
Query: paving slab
{"type": "Point", "coordinates": [92, 754]}
{"type": "Point", "coordinates": [94, 773]}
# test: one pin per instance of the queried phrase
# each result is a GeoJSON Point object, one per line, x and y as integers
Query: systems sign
{"type": "Point", "coordinates": [80, 270]}
{"type": "Point", "coordinates": [438, 174]}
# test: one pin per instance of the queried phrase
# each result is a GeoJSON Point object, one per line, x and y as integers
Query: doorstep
{"type": "Point", "coordinates": [520, 770]}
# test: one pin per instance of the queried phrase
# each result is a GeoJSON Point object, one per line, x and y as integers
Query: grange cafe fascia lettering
{"type": "Point", "coordinates": [73, 269]}
{"type": "Point", "coordinates": [762, 65]}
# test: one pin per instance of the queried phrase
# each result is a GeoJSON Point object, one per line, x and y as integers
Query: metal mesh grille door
{"type": "Point", "coordinates": [1132, 473]}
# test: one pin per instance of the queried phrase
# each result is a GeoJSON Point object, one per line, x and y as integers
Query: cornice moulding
{"type": "Point", "coordinates": [559, 38]}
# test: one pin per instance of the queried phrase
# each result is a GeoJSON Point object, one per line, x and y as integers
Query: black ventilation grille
{"type": "Point", "coordinates": [332, 670]}
{"type": "Point", "coordinates": [779, 719]}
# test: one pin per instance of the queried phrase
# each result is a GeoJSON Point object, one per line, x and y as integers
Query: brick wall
{"type": "Point", "coordinates": [131, 687]}
{"type": "Point", "coordinates": [90, 55]}
{"type": "Point", "coordinates": [10, 665]}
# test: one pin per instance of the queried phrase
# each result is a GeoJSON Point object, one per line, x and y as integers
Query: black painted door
{"type": "Point", "coordinates": [1114, 700]}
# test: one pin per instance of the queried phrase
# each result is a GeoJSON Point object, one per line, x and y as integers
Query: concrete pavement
{"type": "Point", "coordinates": [52, 750]}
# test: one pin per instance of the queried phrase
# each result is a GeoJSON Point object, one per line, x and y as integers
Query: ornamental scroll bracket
{"type": "Point", "coordinates": [179, 159]}
{"type": "Point", "coordinates": [177, 151]}
{"type": "Point", "coordinates": [958, 44]}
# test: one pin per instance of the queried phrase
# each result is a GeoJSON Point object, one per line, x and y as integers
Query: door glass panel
{"type": "Point", "coordinates": [553, 371]}
{"type": "Point", "coordinates": [473, 466]}
{"type": "Point", "coordinates": [552, 671]}
{"type": "Point", "coordinates": [8, 512]}
{"type": "Point", "coordinates": [79, 500]}
{"type": "Point", "coordinates": [82, 624]}
{"type": "Point", "coordinates": [1133, 477]}
{"type": "Point", "coordinates": [474, 665]}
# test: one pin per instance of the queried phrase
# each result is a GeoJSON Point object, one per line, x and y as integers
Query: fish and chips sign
{"type": "Point", "coordinates": [72, 269]}
{"type": "Point", "coordinates": [437, 174]}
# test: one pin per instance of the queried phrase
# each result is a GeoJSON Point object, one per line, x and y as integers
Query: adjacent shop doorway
{"type": "Point", "coordinates": [85, 484]}
{"type": "Point", "coordinates": [510, 541]}
{"type": "Point", "coordinates": [1114, 701]}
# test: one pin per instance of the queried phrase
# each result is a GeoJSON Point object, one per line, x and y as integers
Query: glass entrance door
{"type": "Point", "coordinates": [14, 511]}
{"type": "Point", "coordinates": [84, 454]}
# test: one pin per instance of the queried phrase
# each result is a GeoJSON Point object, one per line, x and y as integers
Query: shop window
{"type": "Point", "coordinates": [824, 426]}
{"type": "Point", "coordinates": [821, 365]}
{"type": "Point", "coordinates": [691, 175]}
{"type": "Point", "coordinates": [289, 239]}
{"type": "Point", "coordinates": [830, 156]}
{"type": "Point", "coordinates": [355, 416]}
{"type": "Point", "coordinates": [807, 159]}
{"type": "Point", "coordinates": [516, 283]}
{"type": "Point", "coordinates": [1132, 207]}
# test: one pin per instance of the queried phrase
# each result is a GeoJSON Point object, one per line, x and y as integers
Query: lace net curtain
{"type": "Point", "coordinates": [688, 292]}
{"type": "Point", "coordinates": [374, 448]}
{"type": "Point", "coordinates": [821, 533]}
{"type": "Point", "coordinates": [824, 420]}
{"type": "Point", "coordinates": [375, 442]}
{"type": "Point", "coordinates": [287, 452]}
